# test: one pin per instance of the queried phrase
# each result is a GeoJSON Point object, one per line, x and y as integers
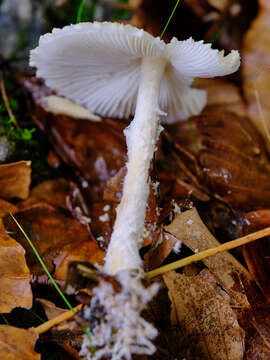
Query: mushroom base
{"type": "Point", "coordinates": [115, 323]}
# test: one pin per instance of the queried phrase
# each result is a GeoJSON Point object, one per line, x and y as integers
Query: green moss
{"type": "Point", "coordinates": [22, 139]}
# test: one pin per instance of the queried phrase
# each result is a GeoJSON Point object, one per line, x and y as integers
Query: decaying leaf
{"type": "Point", "coordinates": [17, 344]}
{"type": "Point", "coordinates": [191, 231]}
{"type": "Point", "coordinates": [57, 237]}
{"type": "Point", "coordinates": [210, 329]}
{"type": "Point", "coordinates": [54, 192]}
{"type": "Point", "coordinates": [256, 72]}
{"type": "Point", "coordinates": [255, 320]}
{"type": "Point", "coordinates": [96, 151]}
{"type": "Point", "coordinates": [159, 253]}
{"type": "Point", "coordinates": [257, 254]}
{"type": "Point", "coordinates": [15, 278]}
{"type": "Point", "coordinates": [67, 334]}
{"type": "Point", "coordinates": [81, 276]}
{"type": "Point", "coordinates": [224, 155]}
{"type": "Point", "coordinates": [51, 310]}
{"type": "Point", "coordinates": [6, 207]}
{"type": "Point", "coordinates": [15, 180]}
{"type": "Point", "coordinates": [223, 96]}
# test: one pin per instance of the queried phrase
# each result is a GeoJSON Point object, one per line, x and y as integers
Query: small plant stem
{"type": "Point", "coordinates": [170, 18]}
{"type": "Point", "coordinates": [80, 11]}
{"type": "Point", "coordinates": [43, 265]}
{"type": "Point", "coordinates": [57, 320]}
{"type": "Point", "coordinates": [210, 252]}
{"type": "Point", "coordinates": [6, 101]}
{"type": "Point", "coordinates": [37, 316]}
{"type": "Point", "coordinates": [5, 320]}
{"type": "Point", "coordinates": [50, 276]}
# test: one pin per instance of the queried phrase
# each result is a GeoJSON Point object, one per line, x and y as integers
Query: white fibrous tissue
{"type": "Point", "coordinates": [115, 323]}
{"type": "Point", "coordinates": [176, 208]}
{"type": "Point", "coordinates": [106, 208]}
{"type": "Point", "coordinates": [104, 218]}
{"type": "Point", "coordinates": [177, 247]}
{"type": "Point", "coordinates": [155, 186]}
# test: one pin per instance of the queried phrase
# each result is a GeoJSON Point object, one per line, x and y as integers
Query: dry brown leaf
{"type": "Point", "coordinates": [6, 208]}
{"type": "Point", "coordinates": [223, 96]}
{"type": "Point", "coordinates": [255, 320]}
{"type": "Point", "coordinates": [158, 254]}
{"type": "Point", "coordinates": [256, 72]}
{"type": "Point", "coordinates": [51, 310]}
{"type": "Point", "coordinates": [209, 325]}
{"type": "Point", "coordinates": [57, 237]}
{"type": "Point", "coordinates": [15, 278]}
{"type": "Point", "coordinates": [15, 286]}
{"type": "Point", "coordinates": [96, 151]}
{"type": "Point", "coordinates": [17, 344]}
{"type": "Point", "coordinates": [225, 156]}
{"type": "Point", "coordinates": [53, 192]}
{"type": "Point", "coordinates": [189, 228]}
{"type": "Point", "coordinates": [186, 148]}
{"type": "Point", "coordinates": [68, 334]}
{"type": "Point", "coordinates": [219, 4]}
{"type": "Point", "coordinates": [15, 180]}
{"type": "Point", "coordinates": [113, 187]}
{"type": "Point", "coordinates": [257, 254]}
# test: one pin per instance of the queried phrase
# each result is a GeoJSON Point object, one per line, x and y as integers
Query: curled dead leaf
{"type": "Point", "coordinates": [15, 180]}
{"type": "Point", "coordinates": [17, 344]}
{"type": "Point", "coordinates": [53, 192]}
{"type": "Point", "coordinates": [257, 254]}
{"type": "Point", "coordinates": [222, 154]}
{"type": "Point", "coordinates": [206, 319]}
{"type": "Point", "coordinates": [6, 208]}
{"type": "Point", "coordinates": [96, 151]}
{"type": "Point", "coordinates": [255, 320]}
{"type": "Point", "coordinates": [191, 231]}
{"type": "Point", "coordinates": [67, 333]}
{"type": "Point", "coordinates": [223, 96]}
{"type": "Point", "coordinates": [57, 237]}
{"type": "Point", "coordinates": [15, 278]}
{"type": "Point", "coordinates": [256, 73]}
{"type": "Point", "coordinates": [51, 310]}
{"type": "Point", "coordinates": [161, 251]}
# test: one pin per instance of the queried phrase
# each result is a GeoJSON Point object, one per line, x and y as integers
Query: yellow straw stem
{"type": "Point", "coordinates": [162, 270]}
{"type": "Point", "coordinates": [57, 320]}
{"type": "Point", "coordinates": [210, 252]}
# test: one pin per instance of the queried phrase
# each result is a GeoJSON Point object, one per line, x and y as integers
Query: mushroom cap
{"type": "Point", "coordinates": [97, 65]}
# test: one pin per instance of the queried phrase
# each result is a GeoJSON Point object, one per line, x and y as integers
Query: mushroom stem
{"type": "Point", "coordinates": [141, 135]}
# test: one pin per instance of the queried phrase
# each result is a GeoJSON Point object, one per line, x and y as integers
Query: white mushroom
{"type": "Point", "coordinates": [118, 70]}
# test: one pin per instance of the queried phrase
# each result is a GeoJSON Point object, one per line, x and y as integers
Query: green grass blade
{"type": "Point", "coordinates": [50, 277]}
{"type": "Point", "coordinates": [43, 265]}
{"type": "Point", "coordinates": [5, 320]}
{"type": "Point", "coordinates": [37, 316]}
{"type": "Point", "coordinates": [216, 34]}
{"type": "Point", "coordinates": [170, 18]}
{"type": "Point", "coordinates": [80, 11]}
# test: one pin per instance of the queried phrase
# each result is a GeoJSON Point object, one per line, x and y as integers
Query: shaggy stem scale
{"type": "Point", "coordinates": [142, 135]}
